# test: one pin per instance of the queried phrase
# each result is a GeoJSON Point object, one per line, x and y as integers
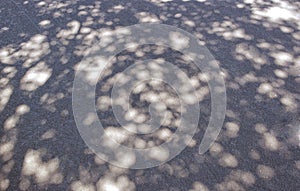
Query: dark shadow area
{"type": "Point", "coordinates": [256, 43]}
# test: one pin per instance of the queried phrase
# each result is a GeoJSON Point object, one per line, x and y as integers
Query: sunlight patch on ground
{"type": "Point", "coordinates": [282, 12]}
{"type": "Point", "coordinates": [44, 172]}
{"type": "Point", "coordinates": [228, 160]}
{"type": "Point", "coordinates": [265, 172]}
{"type": "Point", "coordinates": [36, 76]}
{"type": "Point", "coordinates": [115, 184]}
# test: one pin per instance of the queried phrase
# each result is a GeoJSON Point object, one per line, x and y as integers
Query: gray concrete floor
{"type": "Point", "coordinates": [255, 42]}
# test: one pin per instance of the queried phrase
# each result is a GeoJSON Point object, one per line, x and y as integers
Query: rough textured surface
{"type": "Point", "coordinates": [257, 44]}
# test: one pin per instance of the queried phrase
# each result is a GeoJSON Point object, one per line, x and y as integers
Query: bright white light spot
{"type": "Point", "coordinates": [264, 88]}
{"type": "Point", "coordinates": [159, 153]}
{"type": "Point", "coordinates": [228, 160]}
{"type": "Point", "coordinates": [36, 77]}
{"type": "Point", "coordinates": [271, 142]}
{"type": "Point", "coordinates": [45, 22]}
{"type": "Point", "coordinates": [280, 73]}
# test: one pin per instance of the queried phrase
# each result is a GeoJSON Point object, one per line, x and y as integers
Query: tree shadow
{"type": "Point", "coordinates": [255, 43]}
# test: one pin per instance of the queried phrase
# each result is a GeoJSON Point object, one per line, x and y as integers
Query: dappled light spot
{"type": "Point", "coordinates": [192, 143]}
{"type": "Point", "coordinates": [85, 30]}
{"type": "Point", "coordinates": [36, 77]}
{"type": "Point", "coordinates": [69, 33]}
{"type": "Point", "coordinates": [114, 171]}
{"type": "Point", "coordinates": [238, 33]}
{"type": "Point", "coordinates": [231, 114]}
{"type": "Point", "coordinates": [90, 119]}
{"type": "Point", "coordinates": [45, 22]}
{"type": "Point", "coordinates": [166, 168]}
{"type": "Point", "coordinates": [41, 3]}
{"type": "Point", "coordinates": [160, 2]}
{"type": "Point", "coordinates": [98, 160]}
{"type": "Point", "coordinates": [115, 184]}
{"type": "Point", "coordinates": [44, 172]}
{"type": "Point", "coordinates": [145, 17]}
{"type": "Point", "coordinates": [244, 51]}
{"type": "Point", "coordinates": [109, 186]}
{"type": "Point", "coordinates": [290, 135]}
{"type": "Point", "coordinates": [79, 186]}
{"type": "Point", "coordinates": [32, 50]}
{"type": "Point", "coordinates": [271, 142]}
{"type": "Point", "coordinates": [103, 103]}
{"type": "Point", "coordinates": [228, 30]}
{"type": "Point", "coordinates": [256, 43]}
{"type": "Point", "coordinates": [296, 35]}
{"type": "Point", "coordinates": [7, 167]}
{"type": "Point", "coordinates": [178, 41]}
{"type": "Point", "coordinates": [232, 129]}
{"type": "Point", "coordinates": [92, 71]}
{"type": "Point", "coordinates": [215, 149]}
{"type": "Point", "coordinates": [237, 180]}
{"type": "Point", "coordinates": [6, 148]}
{"type": "Point", "coordinates": [11, 122]}
{"type": "Point", "coordinates": [260, 128]}
{"type": "Point", "coordinates": [190, 23]}
{"type": "Point", "coordinates": [131, 114]}
{"type": "Point", "coordinates": [230, 186]}
{"type": "Point", "coordinates": [198, 186]}
{"type": "Point", "coordinates": [190, 98]}
{"type": "Point", "coordinates": [264, 88]}
{"type": "Point", "coordinates": [141, 118]}
{"type": "Point", "coordinates": [125, 159]}
{"type": "Point", "coordinates": [233, 85]}
{"type": "Point", "coordinates": [289, 102]}
{"type": "Point", "coordinates": [116, 134]}
{"type": "Point", "coordinates": [5, 55]}
{"type": "Point", "coordinates": [164, 134]}
{"type": "Point", "coordinates": [159, 153]}
{"type": "Point", "coordinates": [22, 109]}
{"type": "Point", "coordinates": [116, 9]}
{"type": "Point", "coordinates": [24, 184]}
{"type": "Point", "coordinates": [64, 113]}
{"type": "Point", "coordinates": [280, 73]}
{"type": "Point", "coordinates": [228, 160]}
{"type": "Point", "coordinates": [180, 169]}
{"type": "Point", "coordinates": [4, 183]}
{"type": "Point", "coordinates": [282, 58]}
{"type": "Point", "coordinates": [244, 177]}
{"type": "Point", "coordinates": [49, 98]}
{"type": "Point", "coordinates": [3, 29]}
{"type": "Point", "coordinates": [254, 154]}
{"type": "Point", "coordinates": [9, 72]}
{"type": "Point", "coordinates": [5, 96]}
{"type": "Point", "coordinates": [284, 11]}
{"type": "Point", "coordinates": [265, 172]}
{"type": "Point", "coordinates": [140, 144]}
{"type": "Point", "coordinates": [48, 134]}
{"type": "Point", "coordinates": [247, 78]}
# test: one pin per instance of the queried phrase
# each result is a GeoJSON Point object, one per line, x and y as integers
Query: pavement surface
{"type": "Point", "coordinates": [257, 46]}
